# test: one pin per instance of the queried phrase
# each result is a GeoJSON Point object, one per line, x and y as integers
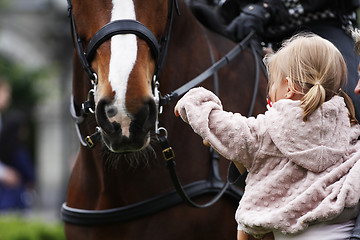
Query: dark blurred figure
{"type": "Point", "coordinates": [17, 174]}
{"type": "Point", "coordinates": [276, 20]}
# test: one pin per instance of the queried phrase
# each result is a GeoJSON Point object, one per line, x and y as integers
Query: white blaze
{"type": "Point", "coordinates": [123, 57]}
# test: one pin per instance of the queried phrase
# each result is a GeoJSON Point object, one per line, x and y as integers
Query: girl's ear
{"type": "Point", "coordinates": [289, 91]}
{"type": "Point", "coordinates": [357, 88]}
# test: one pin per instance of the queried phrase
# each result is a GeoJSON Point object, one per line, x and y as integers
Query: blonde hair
{"type": "Point", "coordinates": [314, 68]}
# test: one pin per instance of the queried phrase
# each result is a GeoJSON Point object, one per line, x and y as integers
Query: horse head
{"type": "Point", "coordinates": [123, 62]}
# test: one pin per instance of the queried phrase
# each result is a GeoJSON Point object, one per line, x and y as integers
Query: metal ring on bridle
{"type": "Point", "coordinates": [162, 129]}
{"type": "Point", "coordinates": [95, 80]}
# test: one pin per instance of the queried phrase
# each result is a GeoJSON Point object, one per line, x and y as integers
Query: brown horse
{"type": "Point", "coordinates": [125, 166]}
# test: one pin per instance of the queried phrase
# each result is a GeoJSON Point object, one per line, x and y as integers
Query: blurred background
{"type": "Point", "coordinates": [38, 143]}
{"type": "Point", "coordinates": [36, 64]}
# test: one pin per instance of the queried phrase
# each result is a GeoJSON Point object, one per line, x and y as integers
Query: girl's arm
{"type": "Point", "coordinates": [232, 135]}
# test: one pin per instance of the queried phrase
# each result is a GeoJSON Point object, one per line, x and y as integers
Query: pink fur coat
{"type": "Point", "coordinates": [299, 172]}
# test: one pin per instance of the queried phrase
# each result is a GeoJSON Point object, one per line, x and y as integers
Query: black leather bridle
{"type": "Point", "coordinates": [182, 194]}
{"type": "Point", "coordinates": [125, 26]}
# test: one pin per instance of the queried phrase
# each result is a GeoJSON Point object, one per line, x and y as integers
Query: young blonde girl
{"type": "Point", "coordinates": [301, 154]}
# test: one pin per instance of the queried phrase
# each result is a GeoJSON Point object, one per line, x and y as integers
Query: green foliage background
{"type": "Point", "coordinates": [16, 228]}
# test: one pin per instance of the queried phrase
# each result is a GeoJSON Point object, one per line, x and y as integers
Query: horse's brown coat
{"type": "Point", "coordinates": [96, 184]}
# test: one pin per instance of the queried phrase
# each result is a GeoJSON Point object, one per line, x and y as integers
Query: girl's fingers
{"type": "Point", "coordinates": [206, 143]}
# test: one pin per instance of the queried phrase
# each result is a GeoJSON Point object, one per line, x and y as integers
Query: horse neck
{"type": "Point", "coordinates": [186, 30]}
{"type": "Point", "coordinates": [107, 186]}
{"type": "Point", "coordinates": [188, 36]}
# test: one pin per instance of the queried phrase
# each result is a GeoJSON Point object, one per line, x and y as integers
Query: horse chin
{"type": "Point", "coordinates": [133, 159]}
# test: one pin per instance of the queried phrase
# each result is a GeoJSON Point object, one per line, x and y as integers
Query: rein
{"type": "Point", "coordinates": [168, 152]}
{"type": "Point", "coordinates": [159, 49]}
{"type": "Point", "coordinates": [208, 72]}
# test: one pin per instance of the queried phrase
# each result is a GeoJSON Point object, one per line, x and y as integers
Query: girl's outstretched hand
{"type": "Point", "coordinates": [176, 111]}
{"type": "Point", "coordinates": [206, 143]}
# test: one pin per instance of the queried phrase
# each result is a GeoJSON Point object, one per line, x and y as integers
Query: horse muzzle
{"type": "Point", "coordinates": [122, 132]}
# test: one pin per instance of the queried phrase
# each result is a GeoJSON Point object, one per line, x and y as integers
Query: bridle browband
{"type": "Point", "coordinates": [124, 26]}
{"type": "Point", "coordinates": [159, 49]}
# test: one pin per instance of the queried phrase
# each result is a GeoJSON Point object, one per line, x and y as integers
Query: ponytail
{"type": "Point", "coordinates": [313, 99]}
{"type": "Point", "coordinates": [317, 95]}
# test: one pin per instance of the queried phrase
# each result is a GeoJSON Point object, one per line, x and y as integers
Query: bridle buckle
{"type": "Point", "coordinates": [168, 153]}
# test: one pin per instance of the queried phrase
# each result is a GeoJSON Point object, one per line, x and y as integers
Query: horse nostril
{"type": "Point", "coordinates": [152, 112]}
{"type": "Point", "coordinates": [145, 118]}
{"type": "Point", "coordinates": [111, 111]}
{"type": "Point", "coordinates": [117, 127]}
